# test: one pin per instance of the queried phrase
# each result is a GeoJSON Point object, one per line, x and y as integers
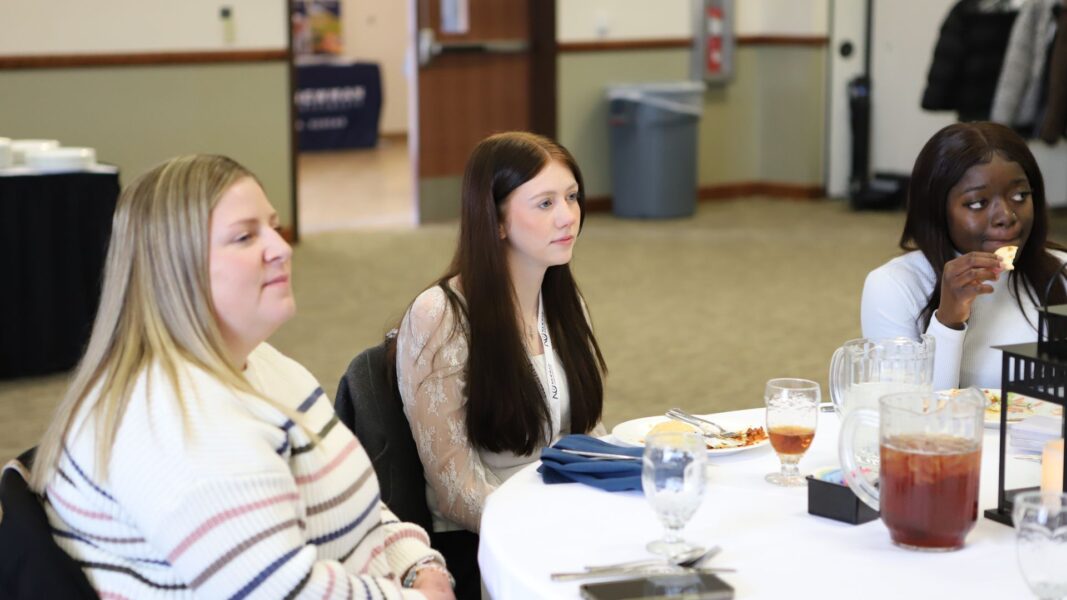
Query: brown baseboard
{"type": "Point", "coordinates": [597, 203]}
{"type": "Point", "coordinates": [731, 191]}
{"type": "Point", "coordinates": [745, 189]}
{"type": "Point", "coordinates": [395, 136]}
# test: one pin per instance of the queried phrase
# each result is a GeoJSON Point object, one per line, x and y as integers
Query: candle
{"type": "Point", "coordinates": [1052, 467]}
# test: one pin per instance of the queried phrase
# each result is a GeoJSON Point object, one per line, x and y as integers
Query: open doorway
{"type": "Point", "coordinates": [469, 76]}
{"type": "Point", "coordinates": [354, 169]}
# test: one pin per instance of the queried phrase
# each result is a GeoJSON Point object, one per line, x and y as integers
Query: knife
{"type": "Point", "coordinates": [599, 455]}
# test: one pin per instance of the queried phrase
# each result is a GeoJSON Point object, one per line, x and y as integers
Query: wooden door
{"type": "Point", "coordinates": [476, 83]}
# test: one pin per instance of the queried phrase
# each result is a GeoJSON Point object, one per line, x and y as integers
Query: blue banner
{"type": "Point", "coordinates": [338, 106]}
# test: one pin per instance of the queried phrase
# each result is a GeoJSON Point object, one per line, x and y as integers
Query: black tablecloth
{"type": "Point", "coordinates": [338, 105]}
{"type": "Point", "coordinates": [54, 231]}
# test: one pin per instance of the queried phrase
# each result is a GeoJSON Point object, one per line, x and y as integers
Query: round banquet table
{"type": "Point", "coordinates": [530, 530]}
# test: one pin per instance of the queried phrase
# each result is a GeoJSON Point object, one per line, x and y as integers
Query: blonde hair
{"type": "Point", "coordinates": [155, 305]}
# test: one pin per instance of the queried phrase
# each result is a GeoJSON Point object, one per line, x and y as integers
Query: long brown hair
{"type": "Point", "coordinates": [506, 409]}
{"type": "Point", "coordinates": [941, 163]}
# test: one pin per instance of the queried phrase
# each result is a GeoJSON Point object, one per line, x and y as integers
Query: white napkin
{"type": "Point", "coordinates": [1032, 433]}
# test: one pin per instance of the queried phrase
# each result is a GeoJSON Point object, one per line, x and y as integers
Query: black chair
{"type": "Point", "coordinates": [368, 402]}
{"type": "Point", "coordinates": [32, 565]}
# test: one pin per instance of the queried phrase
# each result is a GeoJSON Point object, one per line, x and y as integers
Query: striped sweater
{"type": "Point", "coordinates": [230, 499]}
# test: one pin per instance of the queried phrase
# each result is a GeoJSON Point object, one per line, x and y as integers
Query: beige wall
{"type": "Point", "coordinates": [138, 116]}
{"type": "Point", "coordinates": [377, 31]}
{"type": "Point", "coordinates": [766, 125]}
{"type": "Point", "coordinates": [587, 20]}
{"type": "Point", "coordinates": [31, 27]}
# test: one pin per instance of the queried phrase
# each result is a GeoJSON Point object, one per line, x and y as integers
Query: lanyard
{"type": "Point", "coordinates": [551, 389]}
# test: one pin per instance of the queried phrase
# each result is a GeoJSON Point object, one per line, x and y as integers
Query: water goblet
{"type": "Point", "coordinates": [1041, 540]}
{"type": "Point", "coordinates": [792, 413]}
{"type": "Point", "coordinates": [672, 476]}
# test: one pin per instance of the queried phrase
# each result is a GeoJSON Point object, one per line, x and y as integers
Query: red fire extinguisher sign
{"type": "Point", "coordinates": [713, 47]}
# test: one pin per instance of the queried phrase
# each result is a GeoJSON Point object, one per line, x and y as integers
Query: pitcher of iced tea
{"type": "Point", "coordinates": [931, 453]}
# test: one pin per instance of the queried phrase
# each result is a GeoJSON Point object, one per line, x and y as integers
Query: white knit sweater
{"type": "Point", "coordinates": [230, 499]}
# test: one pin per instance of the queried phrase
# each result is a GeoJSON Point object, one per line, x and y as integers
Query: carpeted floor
{"type": "Point", "coordinates": [696, 313]}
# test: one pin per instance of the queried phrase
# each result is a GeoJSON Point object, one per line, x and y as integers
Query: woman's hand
{"type": "Point", "coordinates": [964, 278]}
{"type": "Point", "coordinates": [434, 584]}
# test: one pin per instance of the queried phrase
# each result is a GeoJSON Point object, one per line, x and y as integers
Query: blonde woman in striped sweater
{"type": "Point", "coordinates": [191, 459]}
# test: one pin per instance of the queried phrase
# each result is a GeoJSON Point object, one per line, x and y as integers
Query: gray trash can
{"type": "Point", "coordinates": [654, 148]}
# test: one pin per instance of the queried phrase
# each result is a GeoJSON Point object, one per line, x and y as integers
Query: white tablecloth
{"type": "Point", "coordinates": [530, 530]}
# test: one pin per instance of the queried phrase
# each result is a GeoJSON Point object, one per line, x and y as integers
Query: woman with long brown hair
{"type": "Point", "coordinates": [498, 359]}
{"type": "Point", "coordinates": [975, 188]}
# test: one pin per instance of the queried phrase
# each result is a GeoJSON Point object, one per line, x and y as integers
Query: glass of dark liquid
{"type": "Point", "coordinates": [792, 413]}
{"type": "Point", "coordinates": [931, 459]}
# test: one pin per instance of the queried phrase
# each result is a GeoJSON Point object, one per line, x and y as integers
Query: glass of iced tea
{"type": "Point", "coordinates": [931, 460]}
{"type": "Point", "coordinates": [792, 413]}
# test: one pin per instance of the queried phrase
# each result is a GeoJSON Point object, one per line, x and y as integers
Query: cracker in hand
{"type": "Point", "coordinates": [1006, 254]}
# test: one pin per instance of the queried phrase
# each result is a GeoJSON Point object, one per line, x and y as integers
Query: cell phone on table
{"type": "Point", "coordinates": [690, 586]}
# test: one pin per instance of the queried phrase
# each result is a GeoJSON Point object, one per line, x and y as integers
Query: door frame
{"type": "Point", "coordinates": [293, 234]}
{"type": "Point", "coordinates": [848, 23]}
{"type": "Point", "coordinates": [543, 53]}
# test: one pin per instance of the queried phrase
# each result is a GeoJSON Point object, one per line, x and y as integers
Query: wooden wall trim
{"type": "Point", "coordinates": [66, 61]}
{"type": "Point", "coordinates": [687, 42]}
{"type": "Point", "coordinates": [782, 40]}
{"type": "Point", "coordinates": [612, 45]}
{"type": "Point", "coordinates": [733, 191]}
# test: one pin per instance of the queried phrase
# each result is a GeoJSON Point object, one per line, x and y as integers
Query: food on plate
{"type": "Point", "coordinates": [673, 426]}
{"type": "Point", "coordinates": [744, 438]}
{"type": "Point", "coordinates": [1006, 254]}
{"type": "Point", "coordinates": [753, 435]}
{"type": "Point", "coordinates": [1019, 407]}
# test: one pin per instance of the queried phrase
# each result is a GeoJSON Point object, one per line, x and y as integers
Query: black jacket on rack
{"type": "Point", "coordinates": [967, 60]}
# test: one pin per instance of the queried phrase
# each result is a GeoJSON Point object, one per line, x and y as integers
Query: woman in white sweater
{"type": "Point", "coordinates": [191, 459]}
{"type": "Point", "coordinates": [975, 188]}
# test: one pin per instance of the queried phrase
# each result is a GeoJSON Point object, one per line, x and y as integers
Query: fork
{"type": "Point", "coordinates": [702, 424]}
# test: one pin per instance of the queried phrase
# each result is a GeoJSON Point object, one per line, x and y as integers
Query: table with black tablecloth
{"type": "Point", "coordinates": [54, 231]}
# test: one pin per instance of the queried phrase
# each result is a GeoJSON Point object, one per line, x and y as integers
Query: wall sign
{"type": "Point", "coordinates": [455, 16]}
{"type": "Point", "coordinates": [713, 41]}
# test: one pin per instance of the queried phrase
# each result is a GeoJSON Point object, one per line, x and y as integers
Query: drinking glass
{"type": "Point", "coordinates": [1041, 539]}
{"type": "Point", "coordinates": [672, 476]}
{"type": "Point", "coordinates": [792, 412]}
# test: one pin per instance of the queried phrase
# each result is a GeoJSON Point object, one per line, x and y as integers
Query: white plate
{"type": "Point", "coordinates": [1020, 408]}
{"type": "Point", "coordinates": [633, 432]}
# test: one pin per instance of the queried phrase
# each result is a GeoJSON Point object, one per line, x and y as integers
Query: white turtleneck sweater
{"type": "Point", "coordinates": [896, 292]}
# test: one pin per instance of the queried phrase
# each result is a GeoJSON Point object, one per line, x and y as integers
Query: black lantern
{"type": "Point", "coordinates": [1039, 371]}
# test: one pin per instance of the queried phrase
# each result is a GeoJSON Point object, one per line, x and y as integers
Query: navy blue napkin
{"type": "Point", "coordinates": [609, 475]}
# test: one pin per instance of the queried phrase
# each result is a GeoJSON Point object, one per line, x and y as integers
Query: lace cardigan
{"type": "Point", "coordinates": [430, 370]}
